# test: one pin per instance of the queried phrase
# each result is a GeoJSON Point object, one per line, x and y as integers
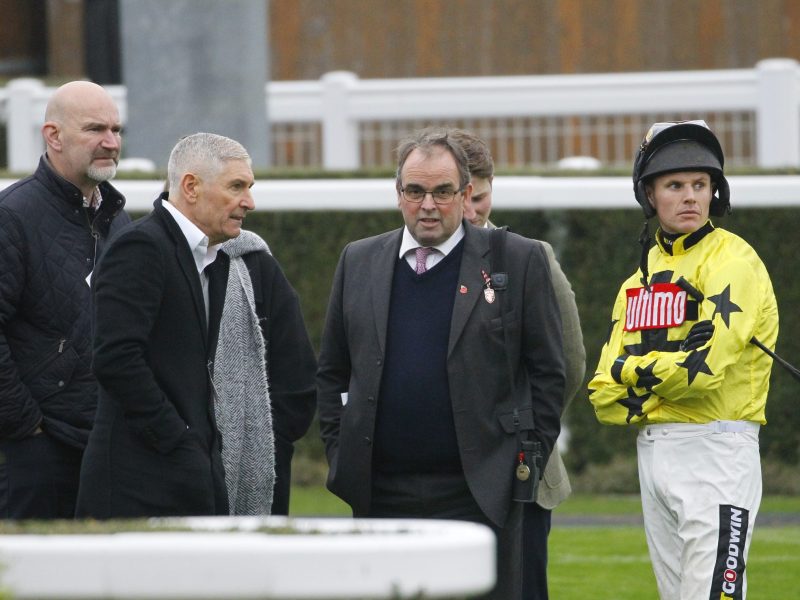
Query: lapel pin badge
{"type": "Point", "coordinates": [488, 292]}
{"type": "Point", "coordinates": [463, 289]}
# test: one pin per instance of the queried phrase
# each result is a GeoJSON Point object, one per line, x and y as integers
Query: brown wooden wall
{"type": "Point", "coordinates": [419, 38]}
{"type": "Point", "coordinates": [42, 38]}
{"type": "Point", "coordinates": [23, 40]}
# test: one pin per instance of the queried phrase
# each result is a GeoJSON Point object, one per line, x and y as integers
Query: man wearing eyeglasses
{"type": "Point", "coordinates": [432, 373]}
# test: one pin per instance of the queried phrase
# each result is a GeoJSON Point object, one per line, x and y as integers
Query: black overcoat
{"type": "Point", "coordinates": [154, 449]}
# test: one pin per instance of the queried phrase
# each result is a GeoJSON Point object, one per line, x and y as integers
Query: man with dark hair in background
{"type": "Point", "coordinates": [554, 487]}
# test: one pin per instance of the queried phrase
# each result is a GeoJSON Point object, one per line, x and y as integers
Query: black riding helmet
{"type": "Point", "coordinates": [681, 146]}
{"type": "Point", "coordinates": [674, 147]}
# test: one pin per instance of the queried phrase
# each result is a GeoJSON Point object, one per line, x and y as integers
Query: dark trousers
{"type": "Point", "coordinates": [535, 529]}
{"type": "Point", "coordinates": [447, 496]}
{"type": "Point", "coordinates": [38, 478]}
{"type": "Point", "coordinates": [283, 477]}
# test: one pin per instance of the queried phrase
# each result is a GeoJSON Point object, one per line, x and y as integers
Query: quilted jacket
{"type": "Point", "coordinates": [48, 247]}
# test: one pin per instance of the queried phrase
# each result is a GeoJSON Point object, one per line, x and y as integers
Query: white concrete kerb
{"type": "Point", "coordinates": [226, 557]}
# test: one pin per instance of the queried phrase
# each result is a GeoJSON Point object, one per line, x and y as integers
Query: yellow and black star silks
{"type": "Point", "coordinates": [643, 375]}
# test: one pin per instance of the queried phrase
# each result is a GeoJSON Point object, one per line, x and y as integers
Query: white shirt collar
{"type": "Point", "coordinates": [408, 242]}
{"type": "Point", "coordinates": [203, 254]}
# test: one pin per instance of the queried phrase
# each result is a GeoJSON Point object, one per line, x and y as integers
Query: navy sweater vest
{"type": "Point", "coordinates": [415, 431]}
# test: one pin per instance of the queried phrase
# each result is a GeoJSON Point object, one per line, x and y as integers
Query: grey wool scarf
{"type": "Point", "coordinates": [242, 409]}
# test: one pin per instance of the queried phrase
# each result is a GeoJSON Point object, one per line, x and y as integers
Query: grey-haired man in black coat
{"type": "Point", "coordinates": [160, 293]}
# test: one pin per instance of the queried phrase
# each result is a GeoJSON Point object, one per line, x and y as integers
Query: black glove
{"type": "Point", "coordinates": [698, 335]}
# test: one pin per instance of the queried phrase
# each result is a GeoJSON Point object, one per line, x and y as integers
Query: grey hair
{"type": "Point", "coordinates": [426, 140]}
{"type": "Point", "coordinates": [203, 153]}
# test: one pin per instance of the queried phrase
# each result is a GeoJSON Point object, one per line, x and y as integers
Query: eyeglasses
{"type": "Point", "coordinates": [417, 195]}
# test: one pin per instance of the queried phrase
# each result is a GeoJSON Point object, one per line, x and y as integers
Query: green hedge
{"type": "Point", "coordinates": [597, 249]}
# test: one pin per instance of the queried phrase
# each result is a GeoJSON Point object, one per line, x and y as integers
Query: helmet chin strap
{"type": "Point", "coordinates": [644, 240]}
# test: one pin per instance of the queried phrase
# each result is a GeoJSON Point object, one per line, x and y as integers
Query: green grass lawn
{"type": "Point", "coordinates": [316, 501]}
{"type": "Point", "coordinates": [611, 563]}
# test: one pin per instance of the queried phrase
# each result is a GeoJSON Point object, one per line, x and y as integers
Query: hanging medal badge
{"type": "Point", "coordinates": [523, 471]}
{"type": "Point", "coordinates": [488, 292]}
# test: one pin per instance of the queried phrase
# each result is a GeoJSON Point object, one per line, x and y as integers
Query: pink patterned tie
{"type": "Point", "coordinates": [422, 254]}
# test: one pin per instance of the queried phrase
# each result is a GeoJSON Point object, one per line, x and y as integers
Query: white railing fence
{"type": "Point", "coordinates": [510, 193]}
{"type": "Point", "coordinates": [343, 122]}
